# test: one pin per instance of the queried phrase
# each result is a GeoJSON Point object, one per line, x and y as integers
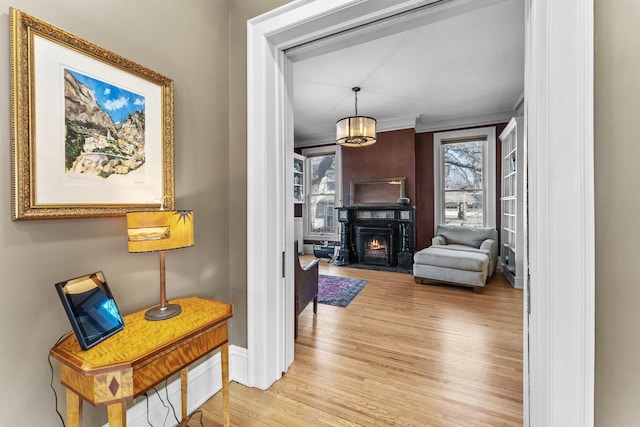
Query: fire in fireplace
{"type": "Point", "coordinates": [375, 245]}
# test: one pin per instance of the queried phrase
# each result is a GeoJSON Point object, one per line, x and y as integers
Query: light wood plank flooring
{"type": "Point", "coordinates": [400, 354]}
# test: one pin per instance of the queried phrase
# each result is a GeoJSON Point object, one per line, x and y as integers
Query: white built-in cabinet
{"type": "Point", "coordinates": [512, 198]}
{"type": "Point", "coordinates": [298, 178]}
{"type": "Point", "coordinates": [298, 198]}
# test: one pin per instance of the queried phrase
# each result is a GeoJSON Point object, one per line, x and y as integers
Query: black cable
{"type": "Point", "coordinates": [169, 400]}
{"type": "Point", "coordinates": [163, 404]}
{"type": "Point", "coordinates": [199, 411]}
{"type": "Point", "coordinates": [146, 399]}
{"type": "Point", "coordinates": [54, 393]}
{"type": "Point", "coordinates": [51, 383]}
{"type": "Point", "coordinates": [146, 395]}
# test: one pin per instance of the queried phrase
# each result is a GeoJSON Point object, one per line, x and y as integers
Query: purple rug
{"type": "Point", "coordinates": [338, 291]}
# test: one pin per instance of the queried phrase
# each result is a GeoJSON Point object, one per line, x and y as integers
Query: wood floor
{"type": "Point", "coordinates": [399, 354]}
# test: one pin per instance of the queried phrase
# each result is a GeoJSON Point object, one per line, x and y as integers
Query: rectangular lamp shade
{"type": "Point", "coordinates": [151, 231]}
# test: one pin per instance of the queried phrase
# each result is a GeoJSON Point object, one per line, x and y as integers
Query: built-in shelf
{"type": "Point", "coordinates": [298, 198]}
{"type": "Point", "coordinates": [298, 178]}
{"type": "Point", "coordinates": [511, 200]}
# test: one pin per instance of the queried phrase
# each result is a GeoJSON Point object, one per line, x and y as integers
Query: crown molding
{"type": "Point", "coordinates": [397, 123]}
{"type": "Point", "coordinates": [463, 122]}
{"type": "Point", "coordinates": [421, 126]}
{"type": "Point", "coordinates": [315, 141]}
{"type": "Point", "coordinates": [519, 102]}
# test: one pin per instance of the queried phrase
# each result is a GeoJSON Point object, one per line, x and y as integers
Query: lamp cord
{"type": "Point", "coordinates": [163, 404]}
{"type": "Point", "coordinates": [166, 392]}
{"type": "Point", "coordinates": [51, 383]}
{"type": "Point", "coordinates": [146, 399]}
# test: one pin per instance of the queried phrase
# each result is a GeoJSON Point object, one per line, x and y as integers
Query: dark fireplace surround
{"type": "Point", "coordinates": [375, 245]}
{"type": "Point", "coordinates": [377, 237]}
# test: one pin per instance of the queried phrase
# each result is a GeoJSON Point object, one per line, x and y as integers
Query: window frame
{"type": "Point", "coordinates": [486, 134]}
{"type": "Point", "coordinates": [322, 151]}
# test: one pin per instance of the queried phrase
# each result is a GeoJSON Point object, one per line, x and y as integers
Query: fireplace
{"type": "Point", "coordinates": [375, 245]}
{"type": "Point", "coordinates": [377, 237]}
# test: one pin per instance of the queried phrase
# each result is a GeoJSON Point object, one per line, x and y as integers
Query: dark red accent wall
{"type": "Point", "coordinates": [393, 155]}
{"type": "Point", "coordinates": [424, 189]}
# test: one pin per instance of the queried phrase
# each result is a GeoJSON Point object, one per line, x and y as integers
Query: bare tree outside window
{"type": "Point", "coordinates": [322, 191]}
{"type": "Point", "coordinates": [463, 183]}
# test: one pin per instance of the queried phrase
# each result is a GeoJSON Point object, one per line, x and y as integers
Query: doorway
{"type": "Point", "coordinates": [561, 352]}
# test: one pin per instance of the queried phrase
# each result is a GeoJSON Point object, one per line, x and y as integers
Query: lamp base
{"type": "Point", "coordinates": [163, 313]}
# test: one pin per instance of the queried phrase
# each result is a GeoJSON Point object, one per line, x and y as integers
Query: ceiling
{"type": "Point", "coordinates": [452, 64]}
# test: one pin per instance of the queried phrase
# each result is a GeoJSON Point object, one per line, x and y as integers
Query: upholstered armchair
{"type": "Point", "coordinates": [469, 239]}
{"type": "Point", "coordinates": [460, 255]}
{"type": "Point", "coordinates": [306, 286]}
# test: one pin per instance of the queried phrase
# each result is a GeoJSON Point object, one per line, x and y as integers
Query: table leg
{"type": "Point", "coordinates": [117, 414]}
{"type": "Point", "coordinates": [183, 389]}
{"type": "Point", "coordinates": [74, 409]}
{"type": "Point", "coordinates": [224, 356]}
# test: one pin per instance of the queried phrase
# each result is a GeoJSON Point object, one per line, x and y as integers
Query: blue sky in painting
{"type": "Point", "coordinates": [115, 101]}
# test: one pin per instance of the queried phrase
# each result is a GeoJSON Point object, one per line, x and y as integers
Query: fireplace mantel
{"type": "Point", "coordinates": [396, 220]}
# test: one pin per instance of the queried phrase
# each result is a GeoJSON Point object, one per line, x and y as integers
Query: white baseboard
{"type": "Point", "coordinates": [238, 368]}
{"type": "Point", "coordinates": [204, 381]}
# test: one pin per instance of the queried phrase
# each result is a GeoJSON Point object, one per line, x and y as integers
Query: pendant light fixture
{"type": "Point", "coordinates": [356, 131]}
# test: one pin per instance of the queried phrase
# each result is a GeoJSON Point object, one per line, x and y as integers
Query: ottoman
{"type": "Point", "coordinates": [451, 266]}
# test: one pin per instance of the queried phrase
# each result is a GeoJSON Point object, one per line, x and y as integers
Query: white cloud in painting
{"type": "Point", "coordinates": [116, 104]}
{"type": "Point", "coordinates": [107, 91]}
{"type": "Point", "coordinates": [138, 101]}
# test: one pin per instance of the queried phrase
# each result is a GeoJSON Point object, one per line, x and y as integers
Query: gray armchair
{"type": "Point", "coordinates": [469, 239]}
{"type": "Point", "coordinates": [460, 255]}
{"type": "Point", "coordinates": [306, 286]}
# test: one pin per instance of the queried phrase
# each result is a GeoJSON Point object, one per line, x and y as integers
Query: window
{"type": "Point", "coordinates": [465, 177]}
{"type": "Point", "coordinates": [322, 186]}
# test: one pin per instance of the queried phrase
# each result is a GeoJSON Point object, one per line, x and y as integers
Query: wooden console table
{"type": "Point", "coordinates": [141, 356]}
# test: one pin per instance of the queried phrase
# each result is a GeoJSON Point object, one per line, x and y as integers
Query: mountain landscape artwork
{"type": "Point", "coordinates": [104, 128]}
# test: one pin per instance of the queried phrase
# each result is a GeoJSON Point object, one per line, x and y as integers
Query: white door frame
{"type": "Point", "coordinates": [559, 127]}
{"type": "Point", "coordinates": [559, 130]}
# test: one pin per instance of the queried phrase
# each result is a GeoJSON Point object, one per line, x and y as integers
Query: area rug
{"type": "Point", "coordinates": [338, 291]}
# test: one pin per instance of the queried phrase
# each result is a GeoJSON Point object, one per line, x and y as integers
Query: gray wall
{"type": "Point", "coordinates": [201, 45]}
{"type": "Point", "coordinates": [240, 12]}
{"type": "Point", "coordinates": [188, 42]}
{"type": "Point", "coordinates": [617, 151]}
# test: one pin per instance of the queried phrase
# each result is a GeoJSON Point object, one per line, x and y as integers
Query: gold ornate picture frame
{"type": "Point", "coordinates": [91, 132]}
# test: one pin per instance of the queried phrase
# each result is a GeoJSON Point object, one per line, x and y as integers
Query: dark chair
{"type": "Point", "coordinates": [306, 285]}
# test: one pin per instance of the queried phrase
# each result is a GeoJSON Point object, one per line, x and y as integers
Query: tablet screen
{"type": "Point", "coordinates": [91, 309]}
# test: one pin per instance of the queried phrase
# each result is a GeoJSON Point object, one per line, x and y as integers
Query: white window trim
{"type": "Point", "coordinates": [315, 151]}
{"type": "Point", "coordinates": [489, 171]}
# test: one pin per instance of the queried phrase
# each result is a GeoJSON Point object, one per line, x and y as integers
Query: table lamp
{"type": "Point", "coordinates": [158, 231]}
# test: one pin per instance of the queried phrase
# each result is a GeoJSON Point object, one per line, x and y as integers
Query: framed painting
{"type": "Point", "coordinates": [91, 132]}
